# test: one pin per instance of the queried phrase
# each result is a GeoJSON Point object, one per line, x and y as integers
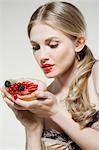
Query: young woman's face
{"type": "Point", "coordinates": [53, 51]}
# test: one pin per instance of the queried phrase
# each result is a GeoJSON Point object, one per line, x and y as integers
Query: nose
{"type": "Point", "coordinates": [43, 56]}
{"type": "Point", "coordinates": [43, 60]}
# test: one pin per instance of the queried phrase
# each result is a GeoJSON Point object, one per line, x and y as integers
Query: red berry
{"type": "Point", "coordinates": [15, 96]}
{"type": "Point", "coordinates": [14, 88]}
{"type": "Point", "coordinates": [29, 87]}
{"type": "Point", "coordinates": [10, 89]}
{"type": "Point", "coordinates": [32, 90]}
{"type": "Point", "coordinates": [35, 85]}
{"type": "Point", "coordinates": [26, 92]}
{"type": "Point", "coordinates": [18, 84]}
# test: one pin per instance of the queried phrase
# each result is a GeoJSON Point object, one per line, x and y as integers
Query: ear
{"type": "Point", "coordinates": [80, 43]}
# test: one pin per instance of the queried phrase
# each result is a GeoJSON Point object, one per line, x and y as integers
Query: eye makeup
{"type": "Point", "coordinates": [52, 42]}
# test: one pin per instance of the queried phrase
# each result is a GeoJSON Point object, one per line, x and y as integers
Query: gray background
{"type": "Point", "coordinates": [16, 59]}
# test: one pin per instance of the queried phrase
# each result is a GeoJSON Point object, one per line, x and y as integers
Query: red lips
{"type": "Point", "coordinates": [47, 67]}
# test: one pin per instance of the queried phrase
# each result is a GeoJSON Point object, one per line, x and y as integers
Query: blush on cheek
{"type": "Point", "coordinates": [62, 55]}
{"type": "Point", "coordinates": [59, 57]}
{"type": "Point", "coordinates": [65, 58]}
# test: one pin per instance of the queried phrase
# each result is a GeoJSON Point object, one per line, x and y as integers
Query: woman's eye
{"type": "Point", "coordinates": [54, 45]}
{"type": "Point", "coordinates": [35, 48]}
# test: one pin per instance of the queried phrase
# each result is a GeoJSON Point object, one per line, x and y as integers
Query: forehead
{"type": "Point", "coordinates": [41, 32]}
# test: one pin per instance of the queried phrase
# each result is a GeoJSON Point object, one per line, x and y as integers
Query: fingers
{"type": "Point", "coordinates": [12, 105]}
{"type": "Point", "coordinates": [8, 102]}
{"type": "Point", "coordinates": [18, 107]}
{"type": "Point", "coordinates": [42, 98]}
{"type": "Point", "coordinates": [27, 104]}
{"type": "Point", "coordinates": [49, 102]}
{"type": "Point", "coordinates": [46, 94]}
{"type": "Point", "coordinates": [49, 97]}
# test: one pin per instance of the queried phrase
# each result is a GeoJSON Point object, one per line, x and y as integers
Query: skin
{"type": "Point", "coordinates": [33, 125]}
{"type": "Point", "coordinates": [64, 52]}
{"type": "Point", "coordinates": [48, 105]}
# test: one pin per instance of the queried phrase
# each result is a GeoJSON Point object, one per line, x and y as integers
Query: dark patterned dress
{"type": "Point", "coordinates": [54, 140]}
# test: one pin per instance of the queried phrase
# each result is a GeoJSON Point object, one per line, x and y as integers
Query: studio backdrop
{"type": "Point", "coordinates": [16, 58]}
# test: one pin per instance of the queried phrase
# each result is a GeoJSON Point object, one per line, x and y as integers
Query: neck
{"type": "Point", "coordinates": [63, 81]}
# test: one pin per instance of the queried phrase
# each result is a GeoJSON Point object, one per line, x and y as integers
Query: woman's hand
{"type": "Point", "coordinates": [45, 105]}
{"type": "Point", "coordinates": [30, 121]}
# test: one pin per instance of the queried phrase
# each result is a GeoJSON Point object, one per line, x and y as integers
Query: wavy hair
{"type": "Point", "coordinates": [67, 18]}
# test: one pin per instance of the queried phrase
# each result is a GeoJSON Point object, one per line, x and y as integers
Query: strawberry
{"type": "Point", "coordinates": [26, 92]}
{"type": "Point", "coordinates": [15, 96]}
{"type": "Point", "coordinates": [22, 88]}
{"type": "Point", "coordinates": [32, 89]}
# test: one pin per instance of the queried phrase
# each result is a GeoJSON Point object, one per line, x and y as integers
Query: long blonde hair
{"type": "Point", "coordinates": [68, 19]}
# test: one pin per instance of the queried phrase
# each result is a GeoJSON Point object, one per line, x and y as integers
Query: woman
{"type": "Point", "coordinates": [67, 115]}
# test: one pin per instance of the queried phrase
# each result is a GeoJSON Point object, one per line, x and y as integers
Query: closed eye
{"type": "Point", "coordinates": [35, 48]}
{"type": "Point", "coordinates": [53, 45]}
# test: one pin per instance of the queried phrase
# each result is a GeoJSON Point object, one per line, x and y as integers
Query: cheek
{"type": "Point", "coordinates": [63, 56]}
{"type": "Point", "coordinates": [36, 56]}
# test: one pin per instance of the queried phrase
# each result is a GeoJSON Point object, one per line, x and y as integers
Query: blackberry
{"type": "Point", "coordinates": [7, 83]}
{"type": "Point", "coordinates": [21, 88]}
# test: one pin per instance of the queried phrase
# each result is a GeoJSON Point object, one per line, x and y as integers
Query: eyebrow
{"type": "Point", "coordinates": [47, 40]}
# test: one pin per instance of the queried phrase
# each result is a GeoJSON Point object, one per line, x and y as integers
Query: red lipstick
{"type": "Point", "coordinates": [47, 67]}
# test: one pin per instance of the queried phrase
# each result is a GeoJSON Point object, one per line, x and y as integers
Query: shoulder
{"type": "Point", "coordinates": [95, 75]}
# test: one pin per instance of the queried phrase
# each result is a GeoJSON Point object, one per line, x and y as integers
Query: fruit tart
{"type": "Point", "coordinates": [23, 88]}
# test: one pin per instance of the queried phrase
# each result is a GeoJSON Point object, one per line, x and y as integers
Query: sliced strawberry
{"type": "Point", "coordinates": [32, 89]}
{"type": "Point", "coordinates": [26, 82]}
{"type": "Point", "coordinates": [26, 92]}
{"type": "Point", "coordinates": [33, 86]}
{"type": "Point", "coordinates": [28, 85]}
{"type": "Point", "coordinates": [29, 88]}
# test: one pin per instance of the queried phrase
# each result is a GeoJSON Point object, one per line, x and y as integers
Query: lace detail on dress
{"type": "Point", "coordinates": [60, 137]}
{"type": "Point", "coordinates": [95, 120]}
{"type": "Point", "coordinates": [54, 134]}
{"type": "Point", "coordinates": [54, 140]}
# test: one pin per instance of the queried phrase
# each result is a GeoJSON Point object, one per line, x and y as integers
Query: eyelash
{"type": "Point", "coordinates": [36, 47]}
{"type": "Point", "coordinates": [51, 46]}
{"type": "Point", "coordinates": [54, 45]}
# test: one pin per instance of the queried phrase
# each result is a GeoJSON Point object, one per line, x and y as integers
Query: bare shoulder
{"type": "Point", "coordinates": [95, 75]}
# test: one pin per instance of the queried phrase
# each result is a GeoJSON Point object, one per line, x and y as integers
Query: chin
{"type": "Point", "coordinates": [53, 74]}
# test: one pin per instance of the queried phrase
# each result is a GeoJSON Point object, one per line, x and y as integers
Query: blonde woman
{"type": "Point", "coordinates": [67, 115]}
